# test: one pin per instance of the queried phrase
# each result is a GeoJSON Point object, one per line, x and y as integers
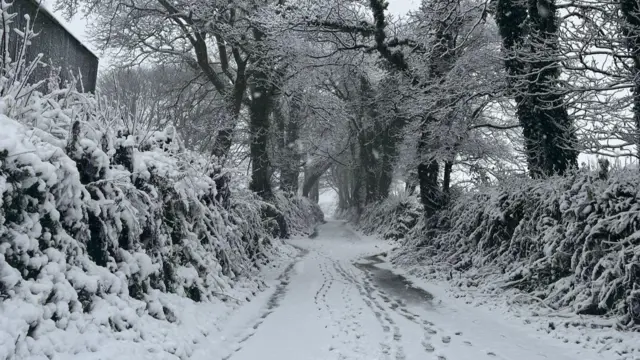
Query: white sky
{"type": "Point", "coordinates": [77, 25]}
{"type": "Point", "coordinates": [401, 7]}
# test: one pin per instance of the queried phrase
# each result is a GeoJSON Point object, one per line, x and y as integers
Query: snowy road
{"type": "Point", "coordinates": [337, 302]}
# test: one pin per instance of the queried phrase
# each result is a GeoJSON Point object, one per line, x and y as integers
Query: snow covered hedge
{"type": "Point", "coordinates": [93, 218]}
{"type": "Point", "coordinates": [392, 217]}
{"type": "Point", "coordinates": [572, 242]}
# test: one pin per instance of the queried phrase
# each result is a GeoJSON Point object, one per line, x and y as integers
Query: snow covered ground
{"type": "Point", "coordinates": [339, 301]}
{"type": "Point", "coordinates": [335, 299]}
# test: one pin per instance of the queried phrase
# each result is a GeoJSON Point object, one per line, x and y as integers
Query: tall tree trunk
{"type": "Point", "coordinates": [533, 78]}
{"type": "Point", "coordinates": [315, 192]}
{"type": "Point", "coordinates": [367, 135]}
{"type": "Point", "coordinates": [290, 163]}
{"type": "Point", "coordinates": [259, 111]}
{"type": "Point", "coordinates": [311, 186]}
{"type": "Point", "coordinates": [279, 138]}
{"type": "Point", "coordinates": [368, 164]}
{"type": "Point", "coordinates": [428, 171]}
{"type": "Point", "coordinates": [389, 147]}
{"type": "Point", "coordinates": [386, 174]}
{"type": "Point", "coordinates": [341, 186]}
{"type": "Point", "coordinates": [446, 179]}
{"type": "Point", "coordinates": [312, 176]}
{"type": "Point", "coordinates": [558, 134]}
{"type": "Point", "coordinates": [224, 139]}
{"type": "Point", "coordinates": [355, 179]}
{"type": "Point", "coordinates": [631, 29]}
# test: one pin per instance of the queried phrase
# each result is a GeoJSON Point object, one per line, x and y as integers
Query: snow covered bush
{"type": "Point", "coordinates": [93, 217]}
{"type": "Point", "coordinates": [573, 242]}
{"type": "Point", "coordinates": [299, 212]}
{"type": "Point", "coordinates": [392, 217]}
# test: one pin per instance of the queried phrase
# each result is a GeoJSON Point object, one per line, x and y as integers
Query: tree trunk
{"type": "Point", "coordinates": [446, 182]}
{"type": "Point", "coordinates": [389, 153]}
{"type": "Point", "coordinates": [315, 192]}
{"type": "Point", "coordinates": [290, 163]}
{"type": "Point", "coordinates": [224, 138]}
{"type": "Point", "coordinates": [631, 29]}
{"type": "Point", "coordinates": [341, 187]}
{"type": "Point", "coordinates": [533, 78]}
{"type": "Point", "coordinates": [311, 177]}
{"type": "Point", "coordinates": [368, 164]}
{"type": "Point", "coordinates": [428, 171]}
{"type": "Point", "coordinates": [311, 186]}
{"type": "Point", "coordinates": [442, 55]}
{"type": "Point", "coordinates": [259, 111]}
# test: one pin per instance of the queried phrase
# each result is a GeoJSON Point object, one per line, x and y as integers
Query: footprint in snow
{"type": "Point", "coordinates": [409, 317]}
{"type": "Point", "coordinates": [428, 347]}
{"type": "Point", "coordinates": [446, 339]}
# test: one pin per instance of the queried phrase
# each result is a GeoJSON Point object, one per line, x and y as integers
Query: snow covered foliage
{"type": "Point", "coordinates": [95, 222]}
{"type": "Point", "coordinates": [392, 217]}
{"type": "Point", "coordinates": [571, 241]}
{"type": "Point", "coordinates": [299, 213]}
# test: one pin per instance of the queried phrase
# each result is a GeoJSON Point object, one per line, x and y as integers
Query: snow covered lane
{"type": "Point", "coordinates": [334, 303]}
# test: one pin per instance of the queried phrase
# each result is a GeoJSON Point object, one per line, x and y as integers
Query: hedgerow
{"type": "Point", "coordinates": [571, 242]}
{"type": "Point", "coordinates": [95, 217]}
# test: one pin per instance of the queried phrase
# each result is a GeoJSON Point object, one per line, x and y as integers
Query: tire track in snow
{"type": "Point", "coordinates": [272, 304]}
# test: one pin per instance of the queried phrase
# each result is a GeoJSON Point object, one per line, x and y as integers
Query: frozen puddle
{"type": "Point", "coordinates": [337, 301]}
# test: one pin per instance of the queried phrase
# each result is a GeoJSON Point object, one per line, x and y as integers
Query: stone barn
{"type": "Point", "coordinates": [58, 46]}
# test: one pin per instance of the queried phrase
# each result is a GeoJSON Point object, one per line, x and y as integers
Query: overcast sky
{"type": "Point", "coordinates": [401, 7]}
{"type": "Point", "coordinates": [77, 25]}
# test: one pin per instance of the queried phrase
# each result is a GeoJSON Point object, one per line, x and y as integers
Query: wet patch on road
{"type": "Point", "coordinates": [394, 284]}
